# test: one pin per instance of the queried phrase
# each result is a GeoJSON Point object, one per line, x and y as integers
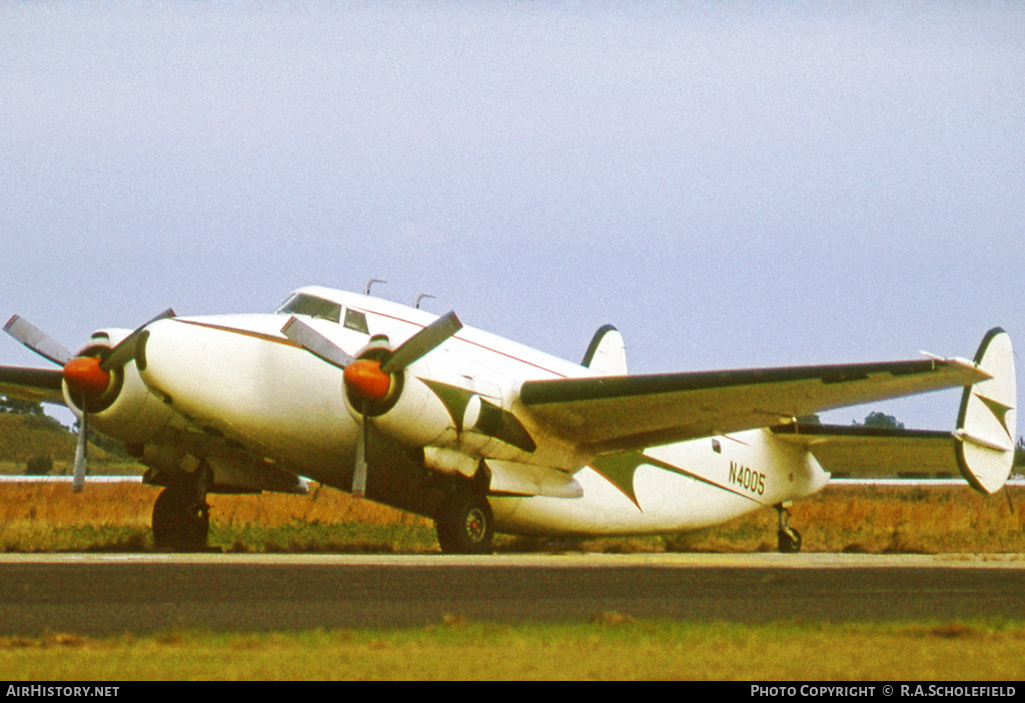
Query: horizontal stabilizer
{"type": "Point", "coordinates": [981, 449]}
{"type": "Point", "coordinates": [872, 452]}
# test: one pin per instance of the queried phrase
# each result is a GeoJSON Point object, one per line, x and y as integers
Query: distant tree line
{"type": "Point", "coordinates": [20, 407]}
{"type": "Point", "coordinates": [32, 410]}
{"type": "Point", "coordinates": [878, 419]}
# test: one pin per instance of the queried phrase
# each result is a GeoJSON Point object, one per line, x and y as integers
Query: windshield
{"type": "Point", "coordinates": [303, 304]}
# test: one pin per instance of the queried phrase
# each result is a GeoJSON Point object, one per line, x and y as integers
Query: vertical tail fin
{"type": "Point", "coordinates": [607, 353]}
{"type": "Point", "coordinates": [986, 424]}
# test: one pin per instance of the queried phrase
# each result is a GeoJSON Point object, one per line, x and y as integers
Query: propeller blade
{"type": "Point", "coordinates": [84, 375]}
{"type": "Point", "coordinates": [37, 340]}
{"type": "Point", "coordinates": [316, 343]}
{"type": "Point", "coordinates": [368, 378]}
{"type": "Point", "coordinates": [124, 351]}
{"type": "Point", "coordinates": [81, 450]}
{"type": "Point", "coordinates": [359, 475]}
{"type": "Point", "coordinates": [424, 341]}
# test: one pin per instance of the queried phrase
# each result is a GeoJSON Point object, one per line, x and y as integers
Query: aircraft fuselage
{"type": "Point", "coordinates": [238, 379]}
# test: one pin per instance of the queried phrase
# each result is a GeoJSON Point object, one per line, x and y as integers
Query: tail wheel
{"type": "Point", "coordinates": [789, 541]}
{"type": "Point", "coordinates": [465, 524]}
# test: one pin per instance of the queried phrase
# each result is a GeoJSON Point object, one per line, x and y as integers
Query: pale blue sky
{"type": "Point", "coordinates": [730, 184]}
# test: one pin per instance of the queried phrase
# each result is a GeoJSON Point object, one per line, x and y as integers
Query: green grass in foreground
{"type": "Point", "coordinates": [610, 648]}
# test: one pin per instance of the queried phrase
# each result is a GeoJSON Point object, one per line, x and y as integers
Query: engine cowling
{"type": "Point", "coordinates": [120, 405]}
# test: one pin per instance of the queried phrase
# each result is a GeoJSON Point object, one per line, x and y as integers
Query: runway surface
{"type": "Point", "coordinates": [107, 594]}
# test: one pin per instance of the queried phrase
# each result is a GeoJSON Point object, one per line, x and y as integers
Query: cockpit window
{"type": "Point", "coordinates": [356, 320]}
{"type": "Point", "coordinates": [303, 304]}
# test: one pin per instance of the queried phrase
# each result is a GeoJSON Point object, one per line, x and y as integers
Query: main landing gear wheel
{"type": "Point", "coordinates": [789, 539]}
{"type": "Point", "coordinates": [465, 524]}
{"type": "Point", "coordinates": [181, 518]}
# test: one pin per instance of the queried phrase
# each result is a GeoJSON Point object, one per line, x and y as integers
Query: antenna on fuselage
{"type": "Point", "coordinates": [419, 298]}
{"type": "Point", "coordinates": [371, 282]}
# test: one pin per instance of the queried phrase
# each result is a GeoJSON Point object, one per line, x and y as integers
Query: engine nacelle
{"type": "Point", "coordinates": [416, 416]}
{"type": "Point", "coordinates": [127, 411]}
{"type": "Point", "coordinates": [458, 419]}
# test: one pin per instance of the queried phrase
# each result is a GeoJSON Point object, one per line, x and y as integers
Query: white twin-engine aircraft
{"type": "Point", "coordinates": [485, 435]}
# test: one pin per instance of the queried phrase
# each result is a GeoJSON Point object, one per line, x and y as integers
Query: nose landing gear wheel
{"type": "Point", "coordinates": [465, 524]}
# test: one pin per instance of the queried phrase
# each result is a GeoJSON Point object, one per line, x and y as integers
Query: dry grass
{"type": "Point", "coordinates": [881, 519]}
{"type": "Point", "coordinates": [322, 505]}
{"type": "Point", "coordinates": [116, 517]}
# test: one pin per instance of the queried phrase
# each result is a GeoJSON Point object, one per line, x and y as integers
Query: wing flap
{"type": "Point", "coordinates": [511, 478]}
{"type": "Point", "coordinates": [612, 413]}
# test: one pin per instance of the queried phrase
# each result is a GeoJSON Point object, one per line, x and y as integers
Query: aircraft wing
{"type": "Point", "coordinates": [615, 413]}
{"type": "Point", "coordinates": [873, 451]}
{"type": "Point", "coordinates": [36, 385]}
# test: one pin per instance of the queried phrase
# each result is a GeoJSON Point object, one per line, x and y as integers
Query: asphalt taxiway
{"type": "Point", "coordinates": [97, 594]}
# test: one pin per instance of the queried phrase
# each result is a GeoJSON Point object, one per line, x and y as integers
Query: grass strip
{"type": "Point", "coordinates": [611, 647]}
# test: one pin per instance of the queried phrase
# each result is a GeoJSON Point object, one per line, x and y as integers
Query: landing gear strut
{"type": "Point", "coordinates": [464, 522]}
{"type": "Point", "coordinates": [789, 538]}
{"type": "Point", "coordinates": [181, 515]}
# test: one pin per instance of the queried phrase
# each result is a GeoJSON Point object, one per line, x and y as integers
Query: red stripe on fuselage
{"type": "Point", "coordinates": [287, 342]}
